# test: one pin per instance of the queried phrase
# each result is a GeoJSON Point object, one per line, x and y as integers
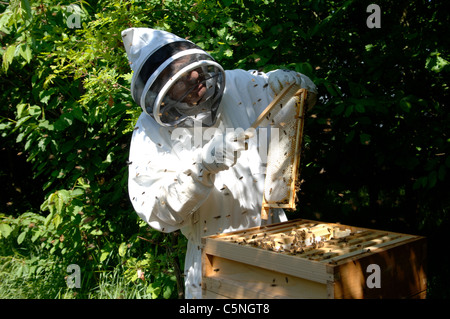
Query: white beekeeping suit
{"type": "Point", "coordinates": [180, 177]}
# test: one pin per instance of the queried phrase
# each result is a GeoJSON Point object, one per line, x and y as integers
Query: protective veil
{"type": "Point", "coordinates": [162, 63]}
{"type": "Point", "coordinates": [169, 186]}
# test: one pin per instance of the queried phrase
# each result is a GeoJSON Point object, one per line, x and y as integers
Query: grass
{"type": "Point", "coordinates": [19, 281]}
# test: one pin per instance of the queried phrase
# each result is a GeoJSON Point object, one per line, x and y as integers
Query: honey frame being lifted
{"type": "Point", "coordinates": [285, 116]}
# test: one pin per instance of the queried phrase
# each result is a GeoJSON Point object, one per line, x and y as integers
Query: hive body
{"type": "Point", "coordinates": [309, 259]}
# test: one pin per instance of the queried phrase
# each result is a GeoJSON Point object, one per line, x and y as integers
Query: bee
{"type": "Point", "coordinates": [129, 163]}
{"type": "Point", "coordinates": [265, 85]}
{"type": "Point", "coordinates": [259, 100]}
{"type": "Point", "coordinates": [143, 192]}
{"type": "Point", "coordinates": [241, 177]}
{"type": "Point", "coordinates": [136, 128]}
{"type": "Point", "coordinates": [216, 269]}
{"type": "Point", "coordinates": [217, 217]}
{"type": "Point", "coordinates": [255, 85]}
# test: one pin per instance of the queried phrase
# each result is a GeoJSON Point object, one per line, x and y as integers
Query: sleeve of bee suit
{"type": "Point", "coordinates": [166, 180]}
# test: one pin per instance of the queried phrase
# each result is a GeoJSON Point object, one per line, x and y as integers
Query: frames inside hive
{"type": "Point", "coordinates": [285, 117]}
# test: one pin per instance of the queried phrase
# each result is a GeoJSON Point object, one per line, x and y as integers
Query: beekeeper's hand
{"type": "Point", "coordinates": [222, 151]}
{"type": "Point", "coordinates": [281, 78]}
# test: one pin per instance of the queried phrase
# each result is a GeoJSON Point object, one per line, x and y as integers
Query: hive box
{"type": "Point", "coordinates": [310, 259]}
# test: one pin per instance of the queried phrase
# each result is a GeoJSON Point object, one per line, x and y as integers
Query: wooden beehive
{"type": "Point", "coordinates": [309, 259]}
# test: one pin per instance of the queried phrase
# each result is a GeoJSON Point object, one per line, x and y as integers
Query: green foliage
{"type": "Point", "coordinates": [377, 150]}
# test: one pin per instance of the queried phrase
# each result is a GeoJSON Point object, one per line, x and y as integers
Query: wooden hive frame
{"type": "Point", "coordinates": [285, 113]}
{"type": "Point", "coordinates": [235, 265]}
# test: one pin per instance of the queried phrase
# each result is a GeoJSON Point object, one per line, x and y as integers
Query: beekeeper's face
{"type": "Point", "coordinates": [190, 88]}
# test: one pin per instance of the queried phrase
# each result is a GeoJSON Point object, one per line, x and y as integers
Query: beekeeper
{"type": "Point", "coordinates": [190, 165]}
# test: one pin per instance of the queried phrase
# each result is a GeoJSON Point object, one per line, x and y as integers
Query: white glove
{"type": "Point", "coordinates": [280, 78]}
{"type": "Point", "coordinates": [222, 152]}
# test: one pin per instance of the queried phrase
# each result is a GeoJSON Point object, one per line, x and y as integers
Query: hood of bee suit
{"type": "Point", "coordinates": [174, 81]}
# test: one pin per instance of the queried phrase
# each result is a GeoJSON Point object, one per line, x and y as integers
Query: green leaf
{"type": "Point", "coordinates": [8, 56]}
{"type": "Point", "coordinates": [360, 108]}
{"type": "Point", "coordinates": [104, 255]}
{"type": "Point", "coordinates": [25, 52]}
{"type": "Point", "coordinates": [122, 249]}
{"type": "Point", "coordinates": [26, 5]}
{"type": "Point", "coordinates": [349, 110]}
{"type": "Point", "coordinates": [339, 109]}
{"type": "Point", "coordinates": [36, 235]}
{"type": "Point", "coordinates": [350, 137]}
{"type": "Point", "coordinates": [5, 230]}
{"type": "Point", "coordinates": [435, 62]}
{"type": "Point", "coordinates": [365, 138]}
{"type": "Point", "coordinates": [405, 105]}
{"type": "Point", "coordinates": [21, 237]}
{"type": "Point", "coordinates": [167, 292]}
{"type": "Point", "coordinates": [96, 232]}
